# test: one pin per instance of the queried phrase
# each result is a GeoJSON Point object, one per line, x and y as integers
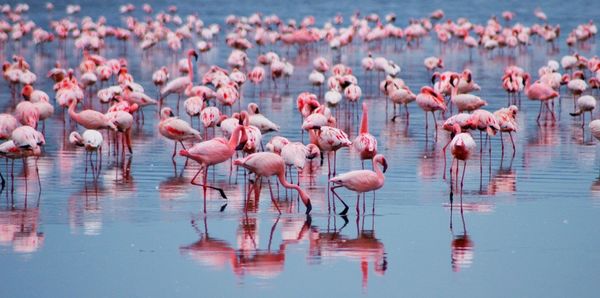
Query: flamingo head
{"type": "Point", "coordinates": [514, 110]}
{"type": "Point", "coordinates": [313, 151]}
{"type": "Point", "coordinates": [193, 53]}
{"type": "Point", "coordinates": [380, 159]}
{"type": "Point", "coordinates": [436, 75]}
{"type": "Point", "coordinates": [454, 79]}
{"type": "Point", "coordinates": [467, 75]}
{"type": "Point", "coordinates": [166, 112]}
{"type": "Point", "coordinates": [253, 108]}
{"type": "Point", "coordinates": [26, 92]}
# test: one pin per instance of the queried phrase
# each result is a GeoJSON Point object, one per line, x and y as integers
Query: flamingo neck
{"type": "Point", "coordinates": [364, 124]}
{"type": "Point", "coordinates": [235, 137]}
{"type": "Point", "coordinates": [527, 84]}
{"type": "Point", "coordinates": [72, 112]}
{"type": "Point", "coordinates": [454, 91]}
{"type": "Point", "coordinates": [378, 171]}
{"type": "Point", "coordinates": [286, 184]}
{"type": "Point", "coordinates": [190, 69]}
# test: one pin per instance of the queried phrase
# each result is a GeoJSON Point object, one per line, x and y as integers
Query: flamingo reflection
{"type": "Point", "coordinates": [248, 258]}
{"type": "Point", "coordinates": [364, 247]}
{"type": "Point", "coordinates": [19, 229]}
{"type": "Point", "coordinates": [461, 245]}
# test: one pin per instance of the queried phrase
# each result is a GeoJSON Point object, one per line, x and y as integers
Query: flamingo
{"type": "Point", "coordinates": [40, 101]}
{"type": "Point", "coordinates": [8, 123]}
{"type": "Point", "coordinates": [461, 146]}
{"type": "Point", "coordinates": [180, 84]}
{"type": "Point", "coordinates": [91, 140]}
{"type": "Point", "coordinates": [541, 92]}
{"type": "Point", "coordinates": [210, 153]}
{"type": "Point", "coordinates": [430, 101]}
{"type": "Point", "coordinates": [295, 154]}
{"type": "Point", "coordinates": [329, 139]}
{"type": "Point", "coordinates": [27, 113]}
{"type": "Point", "coordinates": [402, 96]}
{"type": "Point", "coordinates": [586, 103]}
{"type": "Point", "coordinates": [160, 77]}
{"type": "Point", "coordinates": [90, 119]}
{"type": "Point", "coordinates": [360, 181]}
{"type": "Point", "coordinates": [176, 129]}
{"type": "Point", "coordinates": [267, 164]}
{"type": "Point", "coordinates": [431, 63]}
{"type": "Point", "coordinates": [507, 121]}
{"type": "Point", "coordinates": [464, 101]}
{"type": "Point", "coordinates": [123, 121]}
{"type": "Point", "coordinates": [276, 144]}
{"type": "Point", "coordinates": [259, 120]}
{"type": "Point", "coordinates": [365, 143]}
{"type": "Point", "coordinates": [210, 116]}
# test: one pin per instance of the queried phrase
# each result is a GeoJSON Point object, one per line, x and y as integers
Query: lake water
{"type": "Point", "coordinates": [530, 226]}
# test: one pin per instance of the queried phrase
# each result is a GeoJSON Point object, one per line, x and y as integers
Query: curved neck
{"type": "Point", "coordinates": [364, 124]}
{"type": "Point", "coordinates": [527, 83]}
{"type": "Point", "coordinates": [378, 170]}
{"type": "Point", "coordinates": [72, 112]}
{"type": "Point", "coordinates": [286, 184]}
{"type": "Point", "coordinates": [190, 69]}
{"type": "Point", "coordinates": [235, 137]}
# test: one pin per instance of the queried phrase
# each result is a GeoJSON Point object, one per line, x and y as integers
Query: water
{"type": "Point", "coordinates": [530, 223]}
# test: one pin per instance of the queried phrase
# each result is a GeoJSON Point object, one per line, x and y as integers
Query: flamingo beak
{"type": "Point", "coordinates": [171, 114]}
{"type": "Point", "coordinates": [384, 164]}
{"type": "Point", "coordinates": [308, 207]}
{"type": "Point", "coordinates": [195, 55]}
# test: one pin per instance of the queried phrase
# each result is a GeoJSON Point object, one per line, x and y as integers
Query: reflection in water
{"type": "Point", "coordinates": [462, 245]}
{"type": "Point", "coordinates": [19, 229]}
{"type": "Point", "coordinates": [504, 180]}
{"type": "Point", "coordinates": [364, 247]}
{"type": "Point", "coordinates": [85, 211]}
{"type": "Point", "coordinates": [249, 258]}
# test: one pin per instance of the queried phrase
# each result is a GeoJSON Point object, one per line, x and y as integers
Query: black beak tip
{"type": "Point", "coordinates": [308, 207]}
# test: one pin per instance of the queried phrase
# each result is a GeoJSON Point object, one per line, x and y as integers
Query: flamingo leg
{"type": "Point", "coordinates": [220, 190]}
{"type": "Point", "coordinates": [273, 197]}
{"type": "Point", "coordinates": [462, 180]}
{"type": "Point", "coordinates": [513, 143]}
{"type": "Point", "coordinates": [345, 211]}
{"type": "Point", "coordinates": [444, 153]}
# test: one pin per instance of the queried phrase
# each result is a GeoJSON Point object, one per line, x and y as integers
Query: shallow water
{"type": "Point", "coordinates": [530, 226]}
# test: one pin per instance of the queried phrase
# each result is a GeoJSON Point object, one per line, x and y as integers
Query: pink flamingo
{"type": "Point", "coordinates": [462, 147]}
{"type": "Point", "coordinates": [365, 143]}
{"type": "Point", "coordinates": [507, 121]}
{"type": "Point", "coordinates": [267, 164]}
{"type": "Point", "coordinates": [176, 129]}
{"type": "Point", "coordinates": [91, 140]}
{"type": "Point", "coordinates": [210, 116]}
{"type": "Point", "coordinates": [295, 154]}
{"type": "Point", "coordinates": [329, 139]}
{"type": "Point", "coordinates": [180, 84]}
{"type": "Point", "coordinates": [464, 122]}
{"type": "Point", "coordinates": [464, 101]}
{"type": "Point", "coordinates": [361, 181]}
{"type": "Point", "coordinates": [541, 92]}
{"type": "Point", "coordinates": [27, 114]}
{"type": "Point", "coordinates": [8, 123]}
{"type": "Point", "coordinates": [90, 119]}
{"type": "Point", "coordinates": [210, 153]}
{"type": "Point", "coordinates": [430, 101]}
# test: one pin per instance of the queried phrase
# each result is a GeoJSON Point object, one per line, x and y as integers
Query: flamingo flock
{"type": "Point", "coordinates": [103, 102]}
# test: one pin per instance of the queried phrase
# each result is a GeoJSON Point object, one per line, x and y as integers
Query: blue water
{"type": "Point", "coordinates": [532, 222]}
